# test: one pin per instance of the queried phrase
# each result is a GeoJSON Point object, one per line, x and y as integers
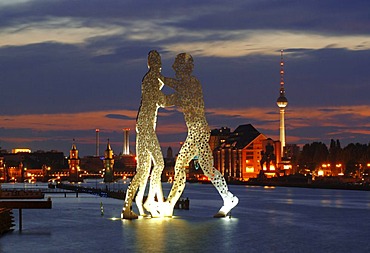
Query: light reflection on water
{"type": "Point", "coordinates": [266, 220]}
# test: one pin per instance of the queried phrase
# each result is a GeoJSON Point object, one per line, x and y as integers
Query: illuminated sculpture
{"type": "Point", "coordinates": [188, 97]}
{"type": "Point", "coordinates": [147, 145]}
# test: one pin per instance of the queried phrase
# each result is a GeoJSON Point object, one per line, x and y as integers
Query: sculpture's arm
{"type": "Point", "coordinates": [170, 82]}
{"type": "Point", "coordinates": [170, 100]}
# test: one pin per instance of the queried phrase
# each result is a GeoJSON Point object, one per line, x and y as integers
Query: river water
{"type": "Point", "coordinates": [271, 219]}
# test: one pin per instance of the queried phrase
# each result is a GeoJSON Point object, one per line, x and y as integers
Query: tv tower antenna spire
{"type": "Point", "coordinates": [282, 69]}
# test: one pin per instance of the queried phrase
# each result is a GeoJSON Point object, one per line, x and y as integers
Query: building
{"type": "Point", "coordinates": [218, 136]}
{"type": "Point", "coordinates": [108, 164]}
{"type": "Point", "coordinates": [74, 164]}
{"type": "Point", "coordinates": [15, 173]}
{"type": "Point", "coordinates": [290, 158]}
{"type": "Point", "coordinates": [21, 150]}
{"type": "Point", "coordinates": [2, 170]}
{"type": "Point", "coordinates": [169, 165]}
{"type": "Point", "coordinates": [34, 166]}
{"type": "Point", "coordinates": [245, 153]}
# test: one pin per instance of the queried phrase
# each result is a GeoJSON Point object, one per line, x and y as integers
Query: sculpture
{"type": "Point", "coordinates": [147, 144]}
{"type": "Point", "coordinates": [188, 97]}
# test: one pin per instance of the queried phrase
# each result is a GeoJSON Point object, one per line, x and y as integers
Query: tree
{"type": "Point", "coordinates": [335, 156]}
{"type": "Point", "coordinates": [313, 155]}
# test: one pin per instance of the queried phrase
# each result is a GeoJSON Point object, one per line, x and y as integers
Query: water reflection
{"type": "Point", "coordinates": [179, 235]}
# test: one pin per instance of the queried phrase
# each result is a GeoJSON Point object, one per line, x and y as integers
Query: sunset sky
{"type": "Point", "coordinates": [69, 67]}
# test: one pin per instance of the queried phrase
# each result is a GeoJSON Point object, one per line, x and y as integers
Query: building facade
{"type": "Point", "coordinates": [108, 164]}
{"type": "Point", "coordinates": [243, 154]}
{"type": "Point", "coordinates": [74, 165]}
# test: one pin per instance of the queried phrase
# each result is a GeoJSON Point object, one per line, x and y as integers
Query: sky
{"type": "Point", "coordinates": [69, 67]}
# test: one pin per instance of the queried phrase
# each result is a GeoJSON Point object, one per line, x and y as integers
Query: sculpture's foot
{"type": "Point", "coordinates": [145, 215]}
{"type": "Point", "coordinates": [141, 210]}
{"type": "Point", "coordinates": [229, 203]}
{"type": "Point", "coordinates": [154, 208]}
{"type": "Point", "coordinates": [129, 215]}
{"type": "Point", "coordinates": [167, 209]}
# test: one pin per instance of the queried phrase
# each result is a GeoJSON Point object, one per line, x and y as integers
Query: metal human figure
{"type": "Point", "coordinates": [188, 97]}
{"type": "Point", "coordinates": [147, 144]}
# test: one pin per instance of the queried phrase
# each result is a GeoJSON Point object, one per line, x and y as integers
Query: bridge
{"type": "Point", "coordinates": [68, 188]}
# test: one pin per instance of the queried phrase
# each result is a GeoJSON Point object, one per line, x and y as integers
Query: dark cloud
{"type": "Point", "coordinates": [118, 116]}
{"type": "Point", "coordinates": [328, 77]}
{"type": "Point", "coordinates": [50, 77]}
{"type": "Point", "coordinates": [337, 17]}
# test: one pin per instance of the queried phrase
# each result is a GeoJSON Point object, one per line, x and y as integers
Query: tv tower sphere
{"type": "Point", "coordinates": [282, 101]}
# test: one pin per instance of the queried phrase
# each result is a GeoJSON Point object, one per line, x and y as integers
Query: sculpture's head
{"type": "Point", "coordinates": [183, 64]}
{"type": "Point", "coordinates": [154, 60]}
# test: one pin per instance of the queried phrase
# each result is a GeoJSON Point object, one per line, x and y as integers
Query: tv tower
{"type": "Point", "coordinates": [282, 102]}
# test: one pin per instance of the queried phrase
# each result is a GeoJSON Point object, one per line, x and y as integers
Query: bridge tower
{"type": "Point", "coordinates": [74, 164]}
{"type": "Point", "coordinates": [108, 164]}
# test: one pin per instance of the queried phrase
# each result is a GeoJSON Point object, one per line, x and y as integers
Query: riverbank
{"type": "Point", "coordinates": [307, 182]}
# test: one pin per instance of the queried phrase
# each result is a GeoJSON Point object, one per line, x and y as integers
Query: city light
{"type": "Point", "coordinates": [249, 169]}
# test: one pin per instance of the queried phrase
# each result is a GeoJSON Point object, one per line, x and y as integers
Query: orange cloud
{"type": "Point", "coordinates": [70, 121]}
{"type": "Point", "coordinates": [298, 116]}
{"type": "Point", "coordinates": [264, 119]}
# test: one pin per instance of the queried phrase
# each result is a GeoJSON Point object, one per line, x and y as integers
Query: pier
{"type": "Point", "coordinates": [6, 220]}
{"type": "Point", "coordinates": [119, 194]}
{"type": "Point", "coordinates": [70, 188]}
{"type": "Point", "coordinates": [20, 205]}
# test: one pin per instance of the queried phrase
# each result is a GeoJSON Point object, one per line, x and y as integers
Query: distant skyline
{"type": "Point", "coordinates": [69, 67]}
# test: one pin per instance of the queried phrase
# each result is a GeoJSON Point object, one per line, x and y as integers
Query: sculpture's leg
{"type": "Point", "coordinates": [152, 204]}
{"type": "Point", "coordinates": [141, 191]}
{"type": "Point", "coordinates": [230, 201]}
{"type": "Point", "coordinates": [127, 212]}
{"type": "Point", "coordinates": [155, 189]}
{"type": "Point", "coordinates": [186, 154]}
{"type": "Point", "coordinates": [139, 180]}
{"type": "Point", "coordinates": [206, 163]}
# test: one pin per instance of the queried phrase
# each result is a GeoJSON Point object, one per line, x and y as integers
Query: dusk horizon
{"type": "Point", "coordinates": [70, 67]}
